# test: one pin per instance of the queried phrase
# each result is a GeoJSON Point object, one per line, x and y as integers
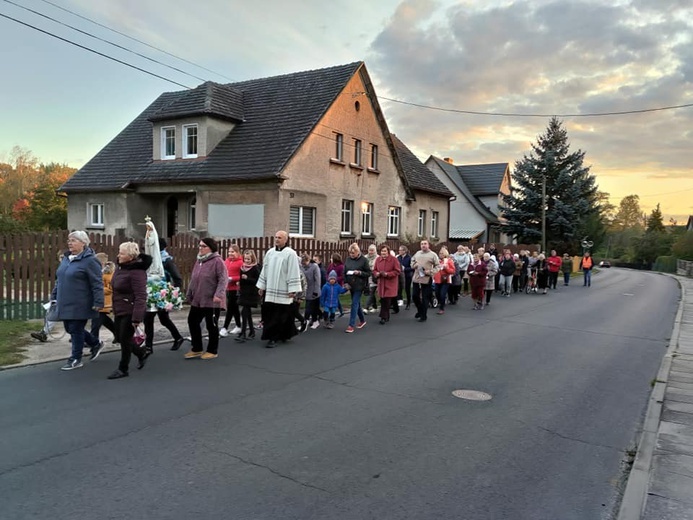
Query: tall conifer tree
{"type": "Point", "coordinates": [571, 193]}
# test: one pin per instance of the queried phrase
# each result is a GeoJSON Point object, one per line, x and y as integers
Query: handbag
{"type": "Point", "coordinates": [139, 336]}
{"type": "Point", "coordinates": [52, 311]}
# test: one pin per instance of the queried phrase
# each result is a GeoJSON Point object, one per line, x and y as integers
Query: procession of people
{"type": "Point", "coordinates": [140, 287]}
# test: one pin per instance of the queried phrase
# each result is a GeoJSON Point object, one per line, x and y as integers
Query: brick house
{"type": "Point", "coordinates": [309, 152]}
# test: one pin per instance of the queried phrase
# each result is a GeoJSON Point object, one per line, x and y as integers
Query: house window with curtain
{"type": "Point", "coordinates": [168, 142]}
{"type": "Point", "coordinates": [339, 147]}
{"type": "Point", "coordinates": [347, 217]}
{"type": "Point", "coordinates": [96, 215]}
{"type": "Point", "coordinates": [302, 221]}
{"type": "Point", "coordinates": [393, 216]}
{"type": "Point", "coordinates": [190, 141]}
{"type": "Point", "coordinates": [357, 152]}
{"type": "Point", "coordinates": [421, 223]}
{"type": "Point", "coordinates": [374, 157]}
{"type": "Point", "coordinates": [366, 218]}
{"type": "Point", "coordinates": [434, 224]}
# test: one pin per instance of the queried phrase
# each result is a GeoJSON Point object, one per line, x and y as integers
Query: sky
{"type": "Point", "coordinates": [516, 62]}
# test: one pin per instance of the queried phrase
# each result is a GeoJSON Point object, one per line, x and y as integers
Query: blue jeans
{"type": "Point", "coordinates": [79, 337]}
{"type": "Point", "coordinates": [588, 277]}
{"type": "Point", "coordinates": [356, 308]}
{"type": "Point", "coordinates": [566, 278]}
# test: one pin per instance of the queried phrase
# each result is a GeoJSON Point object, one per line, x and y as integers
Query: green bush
{"type": "Point", "coordinates": [683, 247]}
{"type": "Point", "coordinates": [665, 264]}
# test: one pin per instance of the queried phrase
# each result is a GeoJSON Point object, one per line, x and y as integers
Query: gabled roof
{"type": "Point", "coordinates": [418, 176]}
{"type": "Point", "coordinates": [453, 174]}
{"type": "Point", "coordinates": [281, 110]}
{"type": "Point", "coordinates": [483, 179]}
{"type": "Point", "coordinates": [210, 99]}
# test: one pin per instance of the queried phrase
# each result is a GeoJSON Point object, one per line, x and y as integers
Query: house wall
{"type": "Point", "coordinates": [428, 202]}
{"type": "Point", "coordinates": [115, 211]}
{"type": "Point", "coordinates": [314, 178]}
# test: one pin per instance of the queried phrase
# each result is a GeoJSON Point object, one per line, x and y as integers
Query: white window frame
{"type": "Point", "coordinates": [192, 213]}
{"type": "Point", "coordinates": [367, 218]}
{"type": "Point", "coordinates": [434, 223]}
{"type": "Point", "coordinates": [95, 212]}
{"type": "Point", "coordinates": [421, 223]}
{"type": "Point", "coordinates": [303, 216]}
{"type": "Point", "coordinates": [186, 151]}
{"type": "Point", "coordinates": [164, 140]}
{"type": "Point", "coordinates": [339, 147]}
{"type": "Point", "coordinates": [374, 157]}
{"type": "Point", "coordinates": [393, 220]}
{"type": "Point", "coordinates": [358, 152]}
{"type": "Point", "coordinates": [347, 223]}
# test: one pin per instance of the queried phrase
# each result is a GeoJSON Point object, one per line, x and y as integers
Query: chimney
{"type": "Point", "coordinates": [448, 160]}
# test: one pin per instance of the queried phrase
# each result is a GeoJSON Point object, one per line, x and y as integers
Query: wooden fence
{"type": "Point", "coordinates": [28, 261]}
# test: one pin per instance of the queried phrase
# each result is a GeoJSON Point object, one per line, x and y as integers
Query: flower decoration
{"type": "Point", "coordinates": [162, 295]}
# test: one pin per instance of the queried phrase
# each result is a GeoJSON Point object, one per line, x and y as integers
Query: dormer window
{"type": "Point", "coordinates": [168, 142]}
{"type": "Point", "coordinates": [189, 141]}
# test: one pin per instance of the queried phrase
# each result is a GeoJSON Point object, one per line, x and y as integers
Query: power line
{"type": "Point", "coordinates": [104, 40]}
{"type": "Point", "coordinates": [135, 39]}
{"type": "Point", "coordinates": [512, 114]}
{"type": "Point", "coordinates": [94, 51]}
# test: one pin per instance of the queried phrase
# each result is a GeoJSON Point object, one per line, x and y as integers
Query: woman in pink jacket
{"type": "Point", "coordinates": [386, 271]}
{"type": "Point", "coordinates": [206, 295]}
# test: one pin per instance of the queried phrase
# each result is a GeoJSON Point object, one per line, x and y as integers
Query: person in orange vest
{"type": "Point", "coordinates": [586, 265]}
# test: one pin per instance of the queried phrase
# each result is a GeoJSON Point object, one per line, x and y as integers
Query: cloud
{"type": "Point", "coordinates": [553, 57]}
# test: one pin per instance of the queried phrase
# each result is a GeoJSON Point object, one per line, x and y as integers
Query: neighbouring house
{"type": "Point", "coordinates": [475, 213]}
{"type": "Point", "coordinates": [309, 152]}
{"type": "Point", "coordinates": [689, 224]}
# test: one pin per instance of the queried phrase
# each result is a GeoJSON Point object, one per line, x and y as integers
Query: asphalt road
{"type": "Point", "coordinates": [354, 426]}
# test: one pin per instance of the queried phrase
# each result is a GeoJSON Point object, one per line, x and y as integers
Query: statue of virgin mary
{"type": "Point", "coordinates": [151, 247]}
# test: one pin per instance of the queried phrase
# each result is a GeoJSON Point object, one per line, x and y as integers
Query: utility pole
{"type": "Point", "coordinates": [543, 213]}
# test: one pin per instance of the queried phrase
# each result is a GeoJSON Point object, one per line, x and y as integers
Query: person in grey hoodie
{"type": "Point", "coordinates": [312, 272]}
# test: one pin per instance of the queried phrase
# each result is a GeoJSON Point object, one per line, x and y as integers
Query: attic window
{"type": "Point", "coordinates": [190, 141]}
{"type": "Point", "coordinates": [168, 142]}
{"type": "Point", "coordinates": [357, 105]}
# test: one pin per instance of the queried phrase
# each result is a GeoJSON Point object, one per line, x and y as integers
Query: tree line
{"type": "Point", "coordinates": [29, 197]}
{"type": "Point", "coordinates": [554, 191]}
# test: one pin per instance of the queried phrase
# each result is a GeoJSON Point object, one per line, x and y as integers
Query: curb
{"type": "Point", "coordinates": [635, 494]}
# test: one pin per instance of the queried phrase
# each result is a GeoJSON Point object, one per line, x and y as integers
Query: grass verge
{"type": "Point", "coordinates": [13, 339]}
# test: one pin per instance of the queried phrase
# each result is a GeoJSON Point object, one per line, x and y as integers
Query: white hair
{"type": "Point", "coordinates": [81, 236]}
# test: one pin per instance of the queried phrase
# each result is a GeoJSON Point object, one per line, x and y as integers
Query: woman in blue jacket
{"type": "Point", "coordinates": [79, 295]}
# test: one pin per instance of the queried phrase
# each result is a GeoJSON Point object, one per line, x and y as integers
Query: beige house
{"type": "Point", "coordinates": [309, 152]}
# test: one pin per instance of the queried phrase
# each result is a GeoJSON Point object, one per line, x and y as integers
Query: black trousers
{"type": "Point", "coordinates": [211, 317]}
{"type": "Point", "coordinates": [312, 311]}
{"type": "Point", "coordinates": [232, 309]}
{"type": "Point", "coordinates": [405, 285]}
{"type": "Point", "coordinates": [553, 279]}
{"type": "Point", "coordinates": [422, 298]}
{"type": "Point", "coordinates": [165, 320]}
{"type": "Point", "coordinates": [247, 321]}
{"type": "Point", "coordinates": [125, 330]}
{"type": "Point", "coordinates": [104, 320]}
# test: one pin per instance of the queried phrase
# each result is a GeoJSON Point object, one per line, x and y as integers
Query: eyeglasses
{"type": "Point", "coordinates": [203, 245]}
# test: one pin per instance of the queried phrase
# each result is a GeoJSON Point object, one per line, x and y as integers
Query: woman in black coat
{"type": "Point", "coordinates": [129, 285]}
{"type": "Point", "coordinates": [248, 295]}
{"type": "Point", "coordinates": [356, 274]}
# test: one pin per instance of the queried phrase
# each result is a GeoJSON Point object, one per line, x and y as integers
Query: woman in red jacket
{"type": "Point", "coordinates": [386, 271]}
{"type": "Point", "coordinates": [477, 279]}
{"type": "Point", "coordinates": [233, 264]}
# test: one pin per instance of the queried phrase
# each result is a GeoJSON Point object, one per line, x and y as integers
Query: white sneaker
{"type": "Point", "coordinates": [400, 302]}
{"type": "Point", "coordinates": [235, 330]}
{"type": "Point", "coordinates": [315, 325]}
{"type": "Point", "coordinates": [223, 332]}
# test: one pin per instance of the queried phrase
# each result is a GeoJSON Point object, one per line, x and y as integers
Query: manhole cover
{"type": "Point", "coordinates": [472, 395]}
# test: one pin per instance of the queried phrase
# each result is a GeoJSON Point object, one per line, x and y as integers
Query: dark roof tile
{"type": "Point", "coordinates": [279, 112]}
{"type": "Point", "coordinates": [417, 174]}
{"type": "Point", "coordinates": [483, 179]}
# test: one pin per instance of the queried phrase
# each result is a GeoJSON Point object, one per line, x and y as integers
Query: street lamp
{"type": "Point", "coordinates": [543, 213]}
